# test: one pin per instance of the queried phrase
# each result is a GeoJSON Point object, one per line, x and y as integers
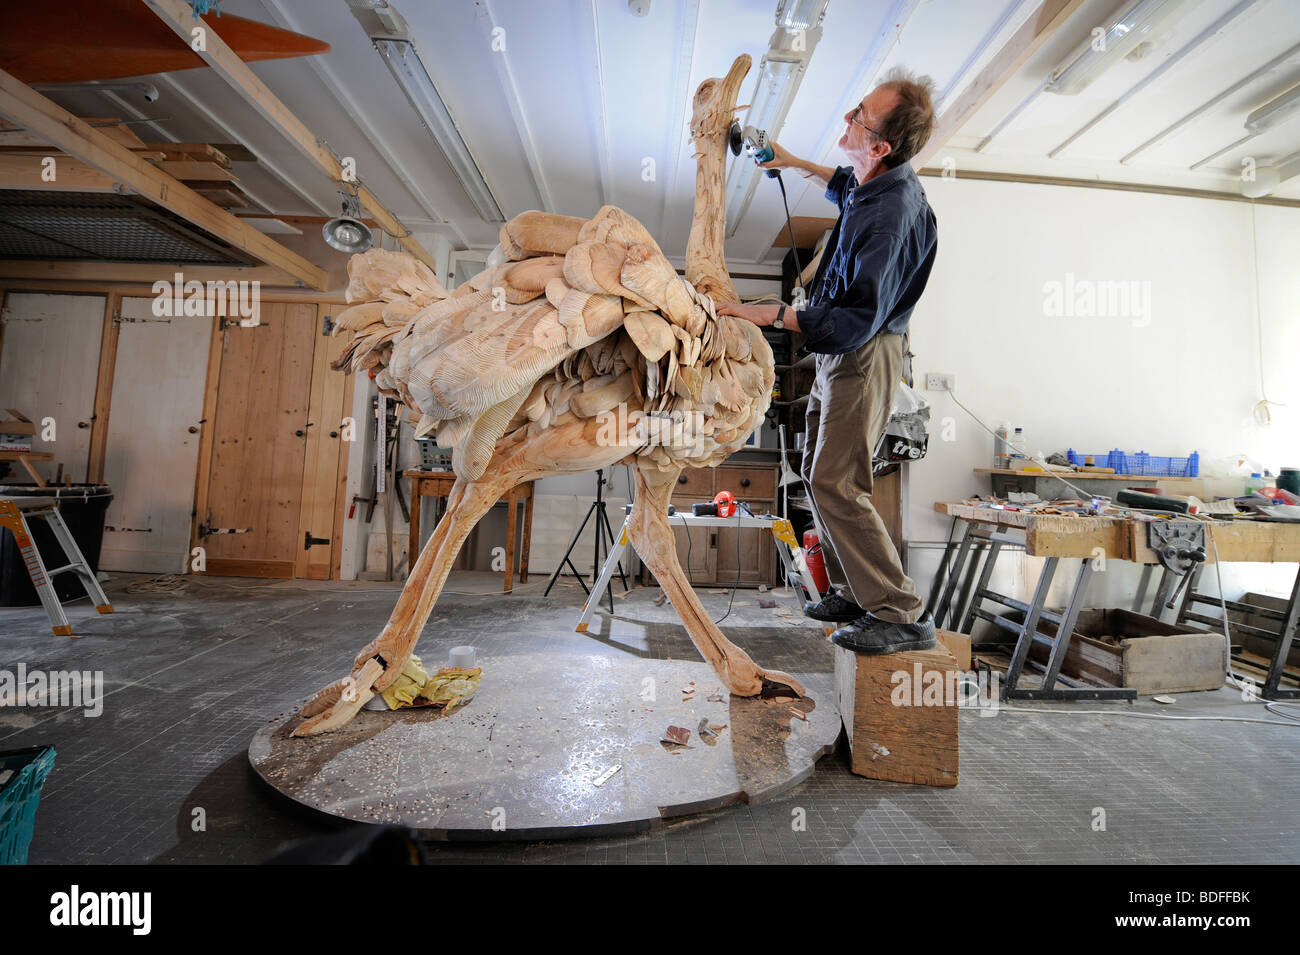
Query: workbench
{"type": "Point", "coordinates": [986, 531]}
{"type": "Point", "coordinates": [438, 485]}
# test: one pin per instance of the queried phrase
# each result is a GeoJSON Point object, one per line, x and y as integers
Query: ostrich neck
{"type": "Point", "coordinates": [706, 267]}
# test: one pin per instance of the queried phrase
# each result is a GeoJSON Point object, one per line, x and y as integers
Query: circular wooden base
{"type": "Point", "coordinates": [554, 745]}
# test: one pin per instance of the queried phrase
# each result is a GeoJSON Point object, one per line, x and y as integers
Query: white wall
{"type": "Point", "coordinates": [1185, 379]}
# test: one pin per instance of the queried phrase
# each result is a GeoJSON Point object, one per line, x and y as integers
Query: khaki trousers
{"type": "Point", "coordinates": [848, 409]}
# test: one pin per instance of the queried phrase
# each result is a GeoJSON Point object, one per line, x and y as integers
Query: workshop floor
{"type": "Point", "coordinates": [190, 676]}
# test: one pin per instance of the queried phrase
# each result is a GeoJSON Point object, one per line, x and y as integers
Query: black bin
{"type": "Point", "coordinates": [83, 507]}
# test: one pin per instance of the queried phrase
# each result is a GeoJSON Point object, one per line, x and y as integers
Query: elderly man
{"type": "Point", "coordinates": [873, 270]}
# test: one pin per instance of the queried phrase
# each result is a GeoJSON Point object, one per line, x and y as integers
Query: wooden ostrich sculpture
{"type": "Point", "coordinates": [524, 369]}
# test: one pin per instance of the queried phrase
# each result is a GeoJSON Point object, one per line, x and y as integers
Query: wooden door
{"type": "Point", "coordinates": [250, 504]}
{"type": "Point", "coordinates": [49, 367]}
{"type": "Point", "coordinates": [153, 433]}
{"type": "Point", "coordinates": [325, 472]}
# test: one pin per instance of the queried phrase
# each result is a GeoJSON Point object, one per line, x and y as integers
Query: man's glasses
{"type": "Point", "coordinates": [853, 118]}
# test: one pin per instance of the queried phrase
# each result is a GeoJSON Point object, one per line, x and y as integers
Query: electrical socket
{"type": "Point", "coordinates": [934, 381]}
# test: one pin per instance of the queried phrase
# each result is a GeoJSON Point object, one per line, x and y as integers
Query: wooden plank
{"type": "Point", "coordinates": [187, 170]}
{"type": "Point", "coordinates": [103, 391]}
{"type": "Point", "coordinates": [1024, 43]}
{"type": "Point", "coordinates": [13, 134]}
{"type": "Point", "coordinates": [958, 644]}
{"type": "Point", "coordinates": [207, 433]}
{"type": "Point", "coordinates": [190, 151]}
{"type": "Point", "coordinates": [808, 230]}
{"type": "Point", "coordinates": [70, 175]}
{"type": "Point", "coordinates": [896, 729]}
{"type": "Point", "coordinates": [179, 15]}
{"type": "Point", "coordinates": [341, 501]}
{"type": "Point", "coordinates": [1089, 475]}
{"type": "Point", "coordinates": [25, 106]}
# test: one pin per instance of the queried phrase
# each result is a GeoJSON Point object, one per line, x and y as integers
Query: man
{"type": "Point", "coordinates": [873, 270]}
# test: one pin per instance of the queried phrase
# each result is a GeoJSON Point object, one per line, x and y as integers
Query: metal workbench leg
{"type": "Point", "coordinates": [954, 574]}
{"type": "Point", "coordinates": [976, 599]}
{"type": "Point", "coordinates": [1030, 626]}
{"type": "Point", "coordinates": [1143, 583]}
{"type": "Point", "coordinates": [1285, 636]}
{"type": "Point", "coordinates": [980, 547]}
{"type": "Point", "coordinates": [1065, 631]}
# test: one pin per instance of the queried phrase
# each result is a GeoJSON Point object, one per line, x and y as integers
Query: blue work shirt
{"type": "Point", "coordinates": [876, 263]}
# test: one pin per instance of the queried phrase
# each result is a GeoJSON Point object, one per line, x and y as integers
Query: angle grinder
{"type": "Point", "coordinates": [754, 142]}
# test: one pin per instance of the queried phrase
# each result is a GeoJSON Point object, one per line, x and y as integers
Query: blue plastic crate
{"type": "Point", "coordinates": [19, 797]}
{"type": "Point", "coordinates": [1128, 462]}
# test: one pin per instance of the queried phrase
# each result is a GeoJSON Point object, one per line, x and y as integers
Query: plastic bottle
{"type": "Point", "coordinates": [1254, 482]}
{"type": "Point", "coordinates": [1019, 445]}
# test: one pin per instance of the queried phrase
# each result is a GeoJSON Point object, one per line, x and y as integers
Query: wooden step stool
{"type": "Point", "coordinates": [901, 725]}
{"type": "Point", "coordinates": [13, 517]}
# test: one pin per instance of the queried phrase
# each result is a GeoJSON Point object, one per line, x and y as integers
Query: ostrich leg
{"type": "Point", "coordinates": [653, 538]}
{"type": "Point", "coordinates": [381, 660]}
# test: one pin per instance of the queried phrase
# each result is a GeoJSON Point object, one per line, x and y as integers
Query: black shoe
{"type": "Point", "coordinates": [871, 635]}
{"type": "Point", "coordinates": [833, 609]}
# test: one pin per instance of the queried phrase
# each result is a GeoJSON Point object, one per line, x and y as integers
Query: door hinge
{"type": "Point", "coordinates": [206, 531]}
{"type": "Point", "coordinates": [308, 542]}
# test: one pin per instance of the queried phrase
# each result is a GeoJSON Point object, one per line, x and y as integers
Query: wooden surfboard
{"type": "Point", "coordinates": [72, 41]}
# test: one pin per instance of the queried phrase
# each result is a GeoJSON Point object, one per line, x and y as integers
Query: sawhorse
{"type": "Point", "coordinates": [13, 517]}
{"type": "Point", "coordinates": [781, 529]}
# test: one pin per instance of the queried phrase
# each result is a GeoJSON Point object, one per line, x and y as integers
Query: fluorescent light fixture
{"type": "Point", "coordinates": [1138, 23]}
{"type": "Point", "coordinates": [1275, 111]}
{"type": "Point", "coordinates": [778, 81]}
{"type": "Point", "coordinates": [794, 15]}
{"type": "Point", "coordinates": [413, 78]}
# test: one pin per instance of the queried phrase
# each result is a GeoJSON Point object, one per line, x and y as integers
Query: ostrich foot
{"type": "Point", "coordinates": [334, 706]}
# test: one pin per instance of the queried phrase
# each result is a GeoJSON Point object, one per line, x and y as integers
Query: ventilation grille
{"type": "Point", "coordinates": [103, 227]}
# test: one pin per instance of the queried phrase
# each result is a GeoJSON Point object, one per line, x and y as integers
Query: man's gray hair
{"type": "Point", "coordinates": [909, 125]}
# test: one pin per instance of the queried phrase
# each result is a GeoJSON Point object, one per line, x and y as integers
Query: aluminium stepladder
{"type": "Point", "coordinates": [780, 528]}
{"type": "Point", "coordinates": [13, 517]}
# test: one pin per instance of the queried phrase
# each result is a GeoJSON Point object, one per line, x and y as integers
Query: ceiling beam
{"type": "Point", "coordinates": [20, 103]}
{"type": "Point", "coordinates": [179, 15]}
{"type": "Point", "coordinates": [1024, 43]}
{"type": "Point", "coordinates": [1111, 185]}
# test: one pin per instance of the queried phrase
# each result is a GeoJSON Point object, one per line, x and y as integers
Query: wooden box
{"type": "Point", "coordinates": [900, 714]}
{"type": "Point", "coordinates": [1114, 647]}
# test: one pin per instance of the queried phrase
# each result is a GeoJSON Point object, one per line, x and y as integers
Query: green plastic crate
{"type": "Point", "coordinates": [19, 796]}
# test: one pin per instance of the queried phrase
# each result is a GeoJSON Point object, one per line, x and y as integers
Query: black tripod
{"type": "Point", "coordinates": [604, 541]}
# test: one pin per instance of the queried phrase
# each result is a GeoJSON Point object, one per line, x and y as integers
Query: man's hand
{"type": "Point", "coordinates": [760, 314]}
{"type": "Point", "coordinates": [782, 158]}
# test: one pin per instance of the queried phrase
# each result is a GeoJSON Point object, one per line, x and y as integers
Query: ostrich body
{"type": "Point", "coordinates": [583, 350]}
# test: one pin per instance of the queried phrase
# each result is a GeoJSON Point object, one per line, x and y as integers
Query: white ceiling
{"type": "Point", "coordinates": [584, 93]}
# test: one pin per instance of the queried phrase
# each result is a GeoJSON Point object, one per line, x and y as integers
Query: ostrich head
{"type": "Point", "coordinates": [712, 111]}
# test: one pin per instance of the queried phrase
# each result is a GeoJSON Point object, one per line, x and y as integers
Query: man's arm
{"type": "Point", "coordinates": [783, 159]}
{"type": "Point", "coordinates": [856, 313]}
